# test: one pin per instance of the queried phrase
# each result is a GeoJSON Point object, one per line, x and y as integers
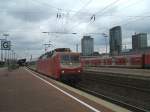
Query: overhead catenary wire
{"type": "Point", "coordinates": [93, 17]}
{"type": "Point", "coordinates": [107, 7]}
{"type": "Point", "coordinates": [85, 5]}
{"type": "Point", "coordinates": [101, 12]}
{"type": "Point", "coordinates": [54, 7]}
{"type": "Point", "coordinates": [138, 17]}
{"type": "Point", "coordinates": [46, 4]}
{"type": "Point", "coordinates": [60, 14]}
{"type": "Point", "coordinates": [132, 4]}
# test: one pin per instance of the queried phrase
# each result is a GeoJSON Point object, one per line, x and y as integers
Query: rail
{"type": "Point", "coordinates": [119, 102]}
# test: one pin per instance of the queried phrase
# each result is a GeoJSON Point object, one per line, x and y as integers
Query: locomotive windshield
{"type": "Point", "coordinates": [70, 59]}
{"type": "Point", "coordinates": [74, 58]}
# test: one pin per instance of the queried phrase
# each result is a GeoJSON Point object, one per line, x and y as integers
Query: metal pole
{"type": "Point", "coordinates": [12, 55]}
{"type": "Point", "coordinates": [1, 54]}
{"type": "Point", "coordinates": [76, 47]}
{"type": "Point", "coordinates": [105, 41]}
{"type": "Point", "coordinates": [1, 50]}
{"type": "Point", "coordinates": [8, 57]}
{"type": "Point", "coordinates": [106, 45]}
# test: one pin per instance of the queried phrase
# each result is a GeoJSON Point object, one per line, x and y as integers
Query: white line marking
{"type": "Point", "coordinates": [78, 100]}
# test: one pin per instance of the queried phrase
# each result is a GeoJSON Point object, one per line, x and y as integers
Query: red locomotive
{"type": "Point", "coordinates": [60, 64]}
{"type": "Point", "coordinates": [127, 61]}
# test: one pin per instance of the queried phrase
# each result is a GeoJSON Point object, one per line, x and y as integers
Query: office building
{"type": "Point", "coordinates": [87, 46]}
{"type": "Point", "coordinates": [139, 41]}
{"type": "Point", "coordinates": [115, 40]}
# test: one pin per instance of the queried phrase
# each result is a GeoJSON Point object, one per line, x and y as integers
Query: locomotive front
{"type": "Point", "coordinates": [70, 66]}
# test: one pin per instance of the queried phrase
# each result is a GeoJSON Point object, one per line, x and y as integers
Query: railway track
{"type": "Point", "coordinates": [138, 84]}
{"type": "Point", "coordinates": [129, 75]}
{"type": "Point", "coordinates": [121, 85]}
{"type": "Point", "coordinates": [108, 98]}
{"type": "Point", "coordinates": [112, 95]}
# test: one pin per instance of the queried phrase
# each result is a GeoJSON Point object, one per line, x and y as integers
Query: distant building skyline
{"type": "Point", "coordinates": [115, 40]}
{"type": "Point", "coordinates": [139, 41]}
{"type": "Point", "coordinates": [87, 46]}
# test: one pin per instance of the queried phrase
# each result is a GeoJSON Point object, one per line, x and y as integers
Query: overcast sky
{"type": "Point", "coordinates": [25, 20]}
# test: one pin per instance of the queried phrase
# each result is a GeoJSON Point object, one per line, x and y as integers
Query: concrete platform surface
{"type": "Point", "coordinates": [23, 91]}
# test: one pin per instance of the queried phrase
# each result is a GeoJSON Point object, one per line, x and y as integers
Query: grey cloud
{"type": "Point", "coordinates": [26, 19]}
{"type": "Point", "coordinates": [32, 15]}
{"type": "Point", "coordinates": [142, 26]}
{"type": "Point", "coordinates": [28, 11]}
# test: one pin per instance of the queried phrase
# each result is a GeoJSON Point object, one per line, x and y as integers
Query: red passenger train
{"type": "Point", "coordinates": [60, 64]}
{"type": "Point", "coordinates": [126, 61]}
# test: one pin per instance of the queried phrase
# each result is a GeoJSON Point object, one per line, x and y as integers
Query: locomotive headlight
{"type": "Point", "coordinates": [62, 71]}
{"type": "Point", "coordinates": [78, 70]}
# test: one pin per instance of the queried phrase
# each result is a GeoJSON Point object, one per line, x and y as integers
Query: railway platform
{"type": "Point", "coordinates": [121, 72]}
{"type": "Point", "coordinates": [22, 90]}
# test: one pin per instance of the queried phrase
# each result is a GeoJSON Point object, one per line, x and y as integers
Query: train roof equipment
{"type": "Point", "coordinates": [62, 50]}
{"type": "Point", "coordinates": [50, 53]}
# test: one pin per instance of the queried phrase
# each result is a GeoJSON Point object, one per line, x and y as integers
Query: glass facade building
{"type": "Point", "coordinates": [115, 40]}
{"type": "Point", "coordinates": [139, 41]}
{"type": "Point", "coordinates": [87, 46]}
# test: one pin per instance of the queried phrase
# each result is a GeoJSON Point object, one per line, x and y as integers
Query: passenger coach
{"type": "Point", "coordinates": [126, 61]}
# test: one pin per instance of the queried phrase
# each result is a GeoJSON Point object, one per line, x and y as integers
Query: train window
{"type": "Point", "coordinates": [70, 58]}
{"type": "Point", "coordinates": [65, 58]}
{"type": "Point", "coordinates": [74, 58]}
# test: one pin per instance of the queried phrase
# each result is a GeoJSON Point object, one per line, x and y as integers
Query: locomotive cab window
{"type": "Point", "coordinates": [70, 59]}
{"type": "Point", "coordinates": [65, 58]}
{"type": "Point", "coordinates": [75, 59]}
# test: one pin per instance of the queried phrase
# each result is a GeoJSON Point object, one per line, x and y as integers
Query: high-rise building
{"type": "Point", "coordinates": [87, 46]}
{"type": "Point", "coordinates": [115, 40]}
{"type": "Point", "coordinates": [139, 41]}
